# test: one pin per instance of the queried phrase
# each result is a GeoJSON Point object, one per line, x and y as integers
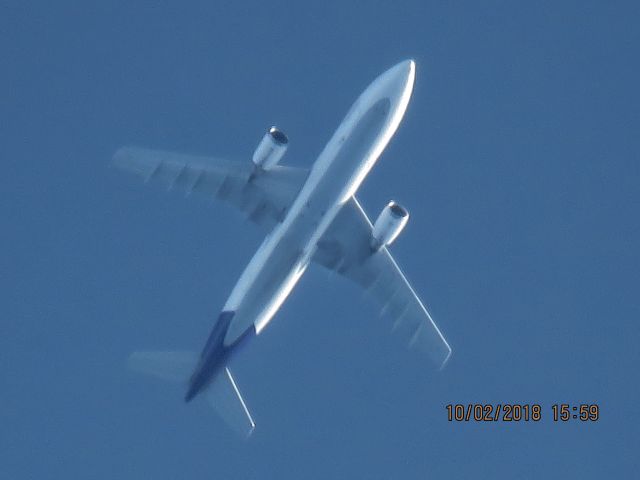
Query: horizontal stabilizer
{"type": "Point", "coordinates": [222, 393]}
{"type": "Point", "coordinates": [170, 366]}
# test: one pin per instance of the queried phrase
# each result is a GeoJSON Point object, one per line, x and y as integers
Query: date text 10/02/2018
{"type": "Point", "coordinates": [514, 412]}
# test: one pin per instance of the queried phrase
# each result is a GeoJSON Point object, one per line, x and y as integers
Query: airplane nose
{"type": "Point", "coordinates": [411, 66]}
{"type": "Point", "coordinates": [400, 77]}
{"type": "Point", "coordinates": [404, 72]}
{"type": "Point", "coordinates": [402, 69]}
{"type": "Point", "coordinates": [399, 81]}
{"type": "Point", "coordinates": [407, 66]}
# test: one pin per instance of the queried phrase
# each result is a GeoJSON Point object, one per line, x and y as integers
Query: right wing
{"type": "Point", "coordinates": [264, 196]}
{"type": "Point", "coordinates": [345, 249]}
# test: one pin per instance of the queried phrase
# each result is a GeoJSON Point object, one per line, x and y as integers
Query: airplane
{"type": "Point", "coordinates": [313, 217]}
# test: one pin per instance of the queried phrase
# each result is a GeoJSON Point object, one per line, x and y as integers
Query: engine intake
{"type": "Point", "coordinates": [270, 149]}
{"type": "Point", "coordinates": [388, 226]}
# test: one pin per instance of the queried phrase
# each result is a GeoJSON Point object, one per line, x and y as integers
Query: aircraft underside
{"type": "Point", "coordinates": [313, 217]}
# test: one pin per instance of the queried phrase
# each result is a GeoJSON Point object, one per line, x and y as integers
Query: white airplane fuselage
{"type": "Point", "coordinates": [285, 253]}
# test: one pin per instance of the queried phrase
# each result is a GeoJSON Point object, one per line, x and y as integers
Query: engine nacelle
{"type": "Point", "coordinates": [388, 226]}
{"type": "Point", "coordinates": [270, 149]}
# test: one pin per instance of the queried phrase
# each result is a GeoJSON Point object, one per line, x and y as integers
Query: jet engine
{"type": "Point", "coordinates": [270, 149]}
{"type": "Point", "coordinates": [388, 226]}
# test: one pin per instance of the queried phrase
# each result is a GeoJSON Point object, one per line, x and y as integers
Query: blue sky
{"type": "Point", "coordinates": [517, 158]}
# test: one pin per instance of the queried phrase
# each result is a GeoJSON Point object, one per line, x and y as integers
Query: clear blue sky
{"type": "Point", "coordinates": [518, 159]}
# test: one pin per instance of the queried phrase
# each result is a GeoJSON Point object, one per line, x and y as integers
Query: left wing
{"type": "Point", "coordinates": [263, 195]}
{"type": "Point", "coordinates": [345, 248]}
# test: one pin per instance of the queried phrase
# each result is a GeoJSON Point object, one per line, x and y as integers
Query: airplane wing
{"type": "Point", "coordinates": [264, 197]}
{"type": "Point", "coordinates": [345, 248]}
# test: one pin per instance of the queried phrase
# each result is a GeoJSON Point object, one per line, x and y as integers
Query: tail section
{"type": "Point", "coordinates": [221, 393]}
